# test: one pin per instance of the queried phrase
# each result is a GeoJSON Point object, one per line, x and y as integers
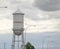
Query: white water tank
{"type": "Point", "coordinates": [18, 22]}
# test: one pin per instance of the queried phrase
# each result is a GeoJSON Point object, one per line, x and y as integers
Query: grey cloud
{"type": "Point", "coordinates": [30, 11]}
{"type": "Point", "coordinates": [33, 15]}
{"type": "Point", "coordinates": [48, 5]}
{"type": "Point", "coordinates": [54, 15]}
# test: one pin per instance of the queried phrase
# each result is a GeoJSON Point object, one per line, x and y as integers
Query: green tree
{"type": "Point", "coordinates": [29, 46]}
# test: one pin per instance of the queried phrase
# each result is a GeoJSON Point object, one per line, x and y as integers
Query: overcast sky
{"type": "Point", "coordinates": [45, 14]}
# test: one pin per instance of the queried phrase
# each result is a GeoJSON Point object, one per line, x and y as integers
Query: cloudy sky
{"type": "Point", "coordinates": [45, 14]}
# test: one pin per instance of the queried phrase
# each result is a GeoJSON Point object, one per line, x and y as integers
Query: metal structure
{"type": "Point", "coordinates": [18, 29]}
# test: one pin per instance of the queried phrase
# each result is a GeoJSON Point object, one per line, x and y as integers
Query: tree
{"type": "Point", "coordinates": [29, 46]}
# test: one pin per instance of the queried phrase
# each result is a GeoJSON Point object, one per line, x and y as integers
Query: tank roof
{"type": "Point", "coordinates": [18, 11]}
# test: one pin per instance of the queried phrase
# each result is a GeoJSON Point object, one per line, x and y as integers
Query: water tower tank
{"type": "Point", "coordinates": [18, 22]}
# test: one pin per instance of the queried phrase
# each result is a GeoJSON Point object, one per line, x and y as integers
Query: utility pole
{"type": "Point", "coordinates": [4, 45]}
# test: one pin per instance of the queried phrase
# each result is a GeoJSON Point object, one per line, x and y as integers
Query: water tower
{"type": "Point", "coordinates": [18, 29]}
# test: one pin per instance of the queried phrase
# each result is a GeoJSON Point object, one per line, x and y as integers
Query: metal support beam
{"type": "Point", "coordinates": [4, 45]}
{"type": "Point", "coordinates": [23, 43]}
{"type": "Point", "coordinates": [13, 42]}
